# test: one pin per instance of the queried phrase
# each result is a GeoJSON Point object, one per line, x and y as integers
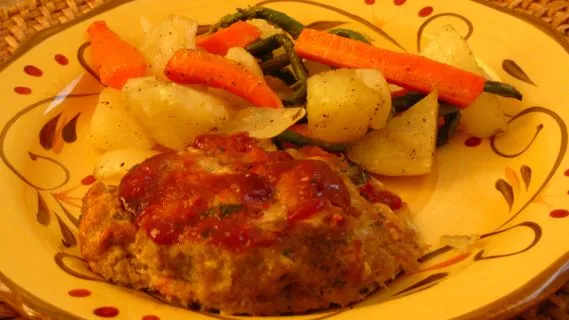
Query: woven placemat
{"type": "Point", "coordinates": [19, 19]}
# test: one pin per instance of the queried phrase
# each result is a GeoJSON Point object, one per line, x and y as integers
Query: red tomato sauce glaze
{"type": "Point", "coordinates": [177, 198]}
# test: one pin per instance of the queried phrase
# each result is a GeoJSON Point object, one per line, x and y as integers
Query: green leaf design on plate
{"type": "Point", "coordinates": [47, 132]}
{"type": "Point", "coordinates": [514, 155]}
{"type": "Point", "coordinates": [325, 25]}
{"type": "Point", "coordinates": [506, 190]}
{"type": "Point", "coordinates": [69, 239]}
{"type": "Point", "coordinates": [68, 213]}
{"type": "Point", "coordinates": [33, 156]}
{"type": "Point", "coordinates": [426, 283]}
{"type": "Point", "coordinates": [69, 132]}
{"type": "Point", "coordinates": [43, 215]}
{"type": "Point", "coordinates": [526, 175]}
{"type": "Point", "coordinates": [513, 69]}
{"type": "Point", "coordinates": [75, 266]}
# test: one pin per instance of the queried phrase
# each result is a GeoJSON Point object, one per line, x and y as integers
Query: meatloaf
{"type": "Point", "coordinates": [232, 227]}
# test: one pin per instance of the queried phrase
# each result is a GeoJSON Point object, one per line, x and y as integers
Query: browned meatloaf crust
{"type": "Point", "coordinates": [305, 239]}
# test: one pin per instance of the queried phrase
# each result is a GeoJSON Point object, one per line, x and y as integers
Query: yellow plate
{"type": "Point", "coordinates": [513, 191]}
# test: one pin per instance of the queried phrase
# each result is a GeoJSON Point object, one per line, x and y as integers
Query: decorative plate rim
{"type": "Point", "coordinates": [31, 301]}
{"type": "Point", "coordinates": [541, 286]}
{"type": "Point", "coordinates": [530, 294]}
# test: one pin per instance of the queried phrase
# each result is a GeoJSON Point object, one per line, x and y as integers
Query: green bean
{"type": "Point", "coordinates": [298, 97]}
{"type": "Point", "coordinates": [296, 85]}
{"type": "Point", "coordinates": [298, 68]}
{"type": "Point", "coordinates": [446, 109]}
{"type": "Point", "coordinates": [228, 20]}
{"type": "Point", "coordinates": [502, 89]}
{"type": "Point", "coordinates": [263, 46]}
{"type": "Point", "coordinates": [275, 64]}
{"type": "Point", "coordinates": [265, 57]}
{"type": "Point", "coordinates": [274, 17]}
{"type": "Point", "coordinates": [405, 102]}
{"type": "Point", "coordinates": [448, 129]}
{"type": "Point", "coordinates": [300, 140]}
{"type": "Point", "coordinates": [351, 34]}
{"type": "Point", "coordinates": [285, 75]}
{"type": "Point", "coordinates": [281, 20]}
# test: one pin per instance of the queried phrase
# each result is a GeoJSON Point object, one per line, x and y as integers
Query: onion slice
{"type": "Point", "coordinates": [263, 123]}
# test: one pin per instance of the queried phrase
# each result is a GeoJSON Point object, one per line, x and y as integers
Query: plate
{"type": "Point", "coordinates": [511, 190]}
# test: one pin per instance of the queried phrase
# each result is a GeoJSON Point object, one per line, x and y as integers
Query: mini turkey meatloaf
{"type": "Point", "coordinates": [238, 229]}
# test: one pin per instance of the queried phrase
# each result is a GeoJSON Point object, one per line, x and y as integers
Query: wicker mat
{"type": "Point", "coordinates": [20, 19]}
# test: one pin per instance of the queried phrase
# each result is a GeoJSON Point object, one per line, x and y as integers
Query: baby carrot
{"type": "Point", "coordinates": [197, 67]}
{"type": "Point", "coordinates": [114, 59]}
{"type": "Point", "coordinates": [239, 34]}
{"type": "Point", "coordinates": [455, 86]}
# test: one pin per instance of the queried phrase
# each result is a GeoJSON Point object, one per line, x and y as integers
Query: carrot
{"type": "Point", "coordinates": [239, 34]}
{"type": "Point", "coordinates": [189, 66]}
{"type": "Point", "coordinates": [413, 72]}
{"type": "Point", "coordinates": [115, 60]}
